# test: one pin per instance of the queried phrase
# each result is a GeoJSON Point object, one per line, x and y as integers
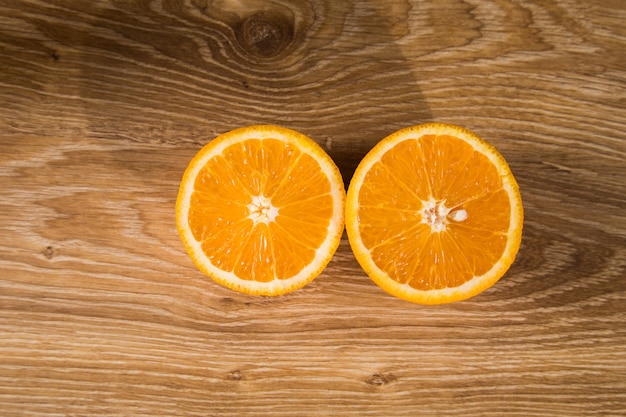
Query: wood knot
{"type": "Point", "coordinates": [380, 379]}
{"type": "Point", "coordinates": [235, 375]}
{"type": "Point", "coordinates": [48, 252]}
{"type": "Point", "coordinates": [265, 34]}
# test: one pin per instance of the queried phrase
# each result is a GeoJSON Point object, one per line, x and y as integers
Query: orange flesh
{"type": "Point", "coordinates": [279, 246]}
{"type": "Point", "coordinates": [394, 220]}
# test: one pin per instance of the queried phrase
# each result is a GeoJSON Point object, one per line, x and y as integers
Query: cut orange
{"type": "Point", "coordinates": [434, 214]}
{"type": "Point", "coordinates": [261, 210]}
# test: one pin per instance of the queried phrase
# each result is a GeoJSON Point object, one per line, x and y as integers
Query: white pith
{"type": "Point", "coordinates": [261, 210]}
{"type": "Point", "coordinates": [437, 215]}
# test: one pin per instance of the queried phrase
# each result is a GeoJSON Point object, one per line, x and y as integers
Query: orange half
{"type": "Point", "coordinates": [434, 214]}
{"type": "Point", "coordinates": [261, 209]}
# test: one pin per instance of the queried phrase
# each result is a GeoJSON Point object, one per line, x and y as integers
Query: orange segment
{"type": "Point", "coordinates": [434, 214]}
{"type": "Point", "coordinates": [260, 210]}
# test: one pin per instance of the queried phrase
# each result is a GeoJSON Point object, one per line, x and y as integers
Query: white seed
{"type": "Point", "coordinates": [459, 215]}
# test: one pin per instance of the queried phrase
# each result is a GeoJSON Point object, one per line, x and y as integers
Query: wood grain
{"type": "Point", "coordinates": [102, 104]}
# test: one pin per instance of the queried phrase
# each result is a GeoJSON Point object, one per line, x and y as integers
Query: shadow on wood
{"type": "Point", "coordinates": [331, 70]}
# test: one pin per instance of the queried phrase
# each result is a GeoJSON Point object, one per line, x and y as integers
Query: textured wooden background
{"type": "Point", "coordinates": [102, 105]}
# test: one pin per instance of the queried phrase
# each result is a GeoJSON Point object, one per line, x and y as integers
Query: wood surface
{"type": "Point", "coordinates": [102, 105]}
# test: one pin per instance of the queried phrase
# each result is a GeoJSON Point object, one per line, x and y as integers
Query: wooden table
{"type": "Point", "coordinates": [102, 105]}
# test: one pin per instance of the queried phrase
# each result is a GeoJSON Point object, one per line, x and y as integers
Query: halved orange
{"type": "Point", "coordinates": [434, 214]}
{"type": "Point", "coordinates": [261, 209]}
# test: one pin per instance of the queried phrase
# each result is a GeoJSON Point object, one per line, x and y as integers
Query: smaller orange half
{"type": "Point", "coordinates": [261, 209]}
{"type": "Point", "coordinates": [434, 214]}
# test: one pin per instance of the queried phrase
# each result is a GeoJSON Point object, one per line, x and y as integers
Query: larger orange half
{"type": "Point", "coordinates": [434, 214]}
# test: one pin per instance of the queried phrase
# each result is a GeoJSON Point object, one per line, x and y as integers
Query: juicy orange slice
{"type": "Point", "coordinates": [261, 209]}
{"type": "Point", "coordinates": [434, 214]}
